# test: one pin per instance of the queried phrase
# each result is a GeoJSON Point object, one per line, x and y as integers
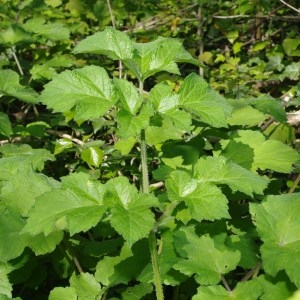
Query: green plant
{"type": "Point", "coordinates": [171, 188]}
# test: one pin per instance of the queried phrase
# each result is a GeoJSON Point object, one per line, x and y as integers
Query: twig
{"type": "Point", "coordinates": [200, 35]}
{"type": "Point", "coordinates": [66, 136]}
{"type": "Point", "coordinates": [17, 61]}
{"type": "Point", "coordinates": [290, 6]}
{"type": "Point", "coordinates": [252, 272]}
{"type": "Point", "coordinates": [226, 284]}
{"type": "Point", "coordinates": [295, 184]}
{"type": "Point", "coordinates": [114, 26]}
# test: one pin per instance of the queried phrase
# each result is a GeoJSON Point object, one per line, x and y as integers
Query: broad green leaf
{"type": "Point", "coordinates": [47, 69]}
{"type": "Point", "coordinates": [268, 154]}
{"type": "Point", "coordinates": [284, 133]}
{"type": "Point", "coordinates": [245, 116]}
{"type": "Point", "coordinates": [219, 170]}
{"type": "Point", "coordinates": [67, 208]}
{"type": "Point", "coordinates": [158, 134]}
{"type": "Point", "coordinates": [62, 144]}
{"type": "Point", "coordinates": [106, 269]}
{"type": "Point", "coordinates": [295, 296]}
{"type": "Point", "coordinates": [41, 244]}
{"type": "Point", "coordinates": [10, 86]}
{"type": "Point", "coordinates": [198, 98]}
{"type": "Point", "coordinates": [204, 200]}
{"type": "Point", "coordinates": [189, 151]}
{"type": "Point", "coordinates": [21, 190]}
{"type": "Point", "coordinates": [271, 106]}
{"type": "Point", "coordinates": [137, 292]}
{"type": "Point", "coordinates": [86, 286]}
{"type": "Point", "coordinates": [5, 285]}
{"type": "Point", "coordinates": [130, 97]}
{"type": "Point", "coordinates": [275, 63]}
{"type": "Point", "coordinates": [163, 98]}
{"type": "Point", "coordinates": [239, 153]}
{"type": "Point", "coordinates": [60, 293]}
{"type": "Point", "coordinates": [278, 223]}
{"type": "Point", "coordinates": [246, 245]}
{"type": "Point", "coordinates": [5, 125]}
{"type": "Point", "coordinates": [37, 129]}
{"type": "Point", "coordinates": [280, 288]}
{"type": "Point", "coordinates": [290, 46]}
{"type": "Point", "coordinates": [203, 256]}
{"type": "Point", "coordinates": [53, 31]}
{"type": "Point", "coordinates": [88, 91]}
{"type": "Point", "coordinates": [12, 241]}
{"type": "Point", "coordinates": [130, 125]}
{"type": "Point", "coordinates": [292, 71]}
{"type": "Point", "coordinates": [180, 119]}
{"type": "Point", "coordinates": [21, 157]}
{"type": "Point", "coordinates": [125, 145]}
{"type": "Point", "coordinates": [155, 56]}
{"type": "Point", "coordinates": [110, 42]}
{"type": "Point", "coordinates": [131, 214]}
{"type": "Point", "coordinates": [14, 35]}
{"type": "Point", "coordinates": [247, 290]}
{"type": "Point", "coordinates": [92, 156]}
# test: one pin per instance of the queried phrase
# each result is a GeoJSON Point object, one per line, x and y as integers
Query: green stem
{"type": "Point", "coordinates": [155, 266]}
{"type": "Point", "coordinates": [144, 163]}
{"type": "Point", "coordinates": [145, 189]}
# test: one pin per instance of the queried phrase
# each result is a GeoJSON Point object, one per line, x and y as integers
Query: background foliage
{"type": "Point", "coordinates": [223, 173]}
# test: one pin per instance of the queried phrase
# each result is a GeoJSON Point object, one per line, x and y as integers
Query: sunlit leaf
{"type": "Point", "coordinates": [110, 42]}
{"type": "Point", "coordinates": [5, 125]}
{"type": "Point", "coordinates": [67, 208]}
{"type": "Point", "coordinates": [203, 256]}
{"type": "Point", "coordinates": [198, 98]}
{"type": "Point", "coordinates": [204, 200]}
{"type": "Point", "coordinates": [88, 91]}
{"type": "Point", "coordinates": [219, 170]}
{"type": "Point", "coordinates": [278, 224]}
{"type": "Point", "coordinates": [10, 86]}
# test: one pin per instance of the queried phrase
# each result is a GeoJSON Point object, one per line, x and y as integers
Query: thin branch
{"type": "Point", "coordinates": [252, 272]}
{"type": "Point", "coordinates": [114, 26]}
{"type": "Point", "coordinates": [226, 284]}
{"type": "Point", "coordinates": [66, 136]}
{"type": "Point", "coordinates": [111, 14]}
{"type": "Point", "coordinates": [200, 35]}
{"type": "Point", "coordinates": [17, 61]}
{"type": "Point", "coordinates": [295, 184]}
{"type": "Point", "coordinates": [290, 6]}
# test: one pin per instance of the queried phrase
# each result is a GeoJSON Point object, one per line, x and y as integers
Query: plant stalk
{"type": "Point", "coordinates": [145, 189]}
{"type": "Point", "coordinates": [155, 266]}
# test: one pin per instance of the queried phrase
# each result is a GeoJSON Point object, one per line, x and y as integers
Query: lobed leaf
{"type": "Point", "coordinates": [248, 290]}
{"type": "Point", "coordinates": [278, 223]}
{"type": "Point", "coordinates": [198, 98]}
{"type": "Point", "coordinates": [130, 97]}
{"type": "Point", "coordinates": [268, 154]}
{"type": "Point", "coordinates": [21, 157]}
{"type": "Point", "coordinates": [131, 215]}
{"type": "Point", "coordinates": [204, 200]}
{"type": "Point", "coordinates": [219, 170]}
{"type": "Point", "coordinates": [10, 86]}
{"type": "Point", "coordinates": [5, 125]}
{"type": "Point", "coordinates": [203, 256]}
{"type": "Point", "coordinates": [67, 208]}
{"type": "Point", "coordinates": [110, 42]}
{"type": "Point", "coordinates": [17, 187]}
{"type": "Point", "coordinates": [88, 91]}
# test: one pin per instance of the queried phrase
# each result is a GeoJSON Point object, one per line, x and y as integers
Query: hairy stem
{"type": "Point", "coordinates": [295, 184]}
{"type": "Point", "coordinates": [155, 266]}
{"type": "Point", "coordinates": [114, 26]}
{"type": "Point", "coordinates": [145, 189]}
